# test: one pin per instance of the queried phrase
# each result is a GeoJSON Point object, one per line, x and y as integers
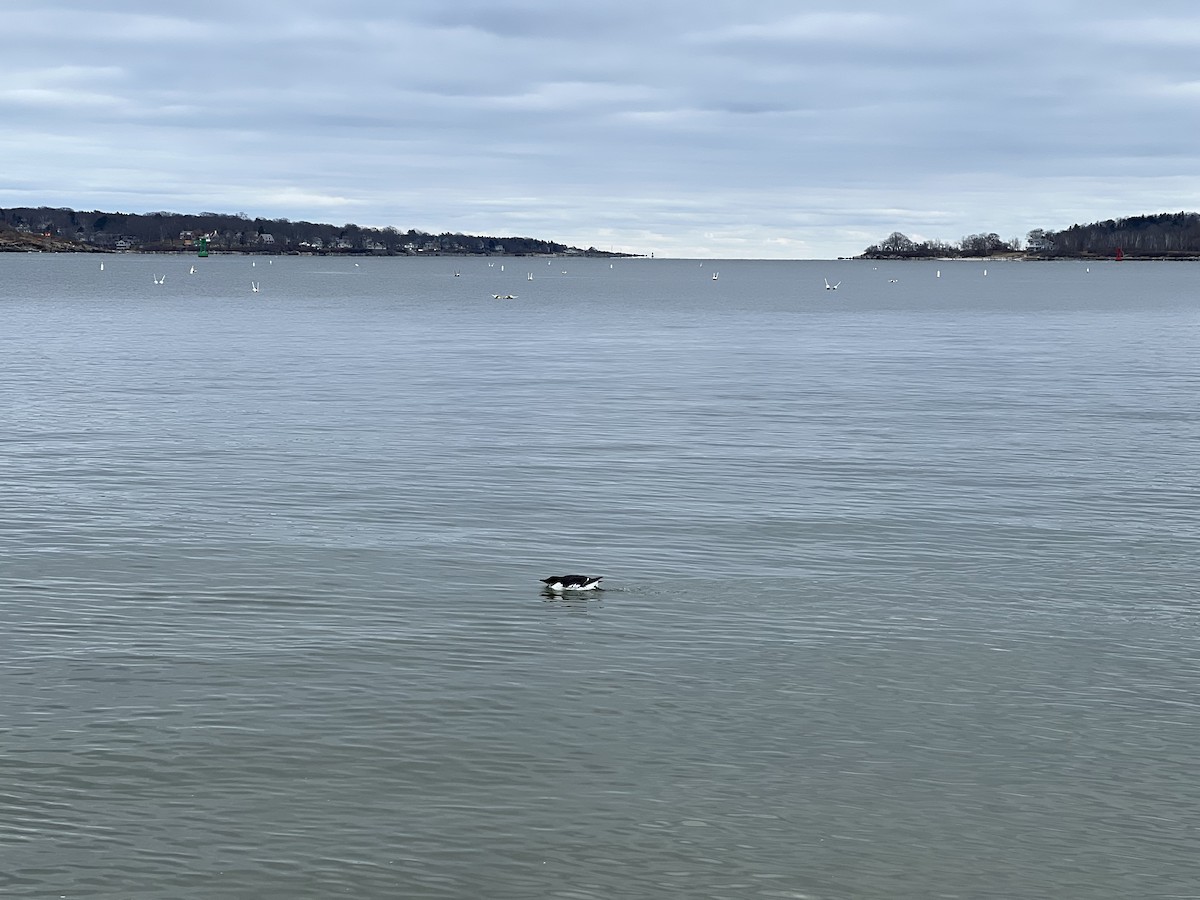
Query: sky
{"type": "Point", "coordinates": [751, 129]}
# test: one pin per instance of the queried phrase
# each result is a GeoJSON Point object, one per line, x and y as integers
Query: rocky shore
{"type": "Point", "coordinates": [12, 241]}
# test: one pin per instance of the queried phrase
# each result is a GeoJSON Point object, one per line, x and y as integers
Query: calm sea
{"type": "Point", "coordinates": [902, 579]}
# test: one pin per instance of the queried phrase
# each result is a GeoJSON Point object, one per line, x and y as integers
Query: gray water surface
{"type": "Point", "coordinates": [902, 579]}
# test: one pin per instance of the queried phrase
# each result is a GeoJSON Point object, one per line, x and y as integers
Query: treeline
{"type": "Point", "coordinates": [170, 231]}
{"type": "Point", "coordinates": [900, 246]}
{"type": "Point", "coordinates": [1160, 236]}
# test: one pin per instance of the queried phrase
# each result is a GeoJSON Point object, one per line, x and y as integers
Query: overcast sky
{"type": "Point", "coordinates": [723, 128]}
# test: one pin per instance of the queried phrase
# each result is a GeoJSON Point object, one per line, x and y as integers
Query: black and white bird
{"type": "Point", "coordinates": [573, 582]}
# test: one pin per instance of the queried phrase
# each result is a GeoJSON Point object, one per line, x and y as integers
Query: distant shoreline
{"type": "Point", "coordinates": [75, 231]}
{"type": "Point", "coordinates": [21, 242]}
{"type": "Point", "coordinates": [1030, 257]}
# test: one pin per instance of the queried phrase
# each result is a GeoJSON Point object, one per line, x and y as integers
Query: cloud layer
{"type": "Point", "coordinates": [773, 129]}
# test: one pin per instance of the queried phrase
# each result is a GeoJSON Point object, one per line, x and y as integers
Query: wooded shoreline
{"type": "Point", "coordinates": [1164, 236]}
{"type": "Point", "coordinates": [71, 231]}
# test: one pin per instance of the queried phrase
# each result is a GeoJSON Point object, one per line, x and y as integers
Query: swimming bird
{"type": "Point", "coordinates": [254, 287]}
{"type": "Point", "coordinates": [831, 287]}
{"type": "Point", "coordinates": [573, 582]}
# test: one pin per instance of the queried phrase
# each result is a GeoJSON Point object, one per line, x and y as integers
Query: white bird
{"type": "Point", "coordinates": [715, 274]}
{"type": "Point", "coordinates": [193, 271]}
{"type": "Point", "coordinates": [831, 287]}
{"type": "Point", "coordinates": [158, 280]}
{"type": "Point", "coordinates": [101, 267]}
{"type": "Point", "coordinates": [559, 583]}
{"type": "Point", "coordinates": [254, 287]}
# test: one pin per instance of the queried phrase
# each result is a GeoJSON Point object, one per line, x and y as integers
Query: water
{"type": "Point", "coordinates": [902, 579]}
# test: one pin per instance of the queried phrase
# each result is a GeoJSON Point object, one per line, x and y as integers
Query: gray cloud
{"type": "Point", "coordinates": [778, 129]}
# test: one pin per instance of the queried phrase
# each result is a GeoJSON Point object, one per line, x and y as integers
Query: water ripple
{"type": "Point", "coordinates": [901, 592]}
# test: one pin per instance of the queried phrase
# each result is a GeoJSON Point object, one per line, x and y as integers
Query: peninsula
{"type": "Point", "coordinates": [1161, 236]}
{"type": "Point", "coordinates": [63, 230]}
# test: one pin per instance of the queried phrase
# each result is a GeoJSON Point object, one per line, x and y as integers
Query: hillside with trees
{"type": "Point", "coordinates": [1164, 235]}
{"type": "Point", "coordinates": [1161, 236]}
{"type": "Point", "coordinates": [67, 229]}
